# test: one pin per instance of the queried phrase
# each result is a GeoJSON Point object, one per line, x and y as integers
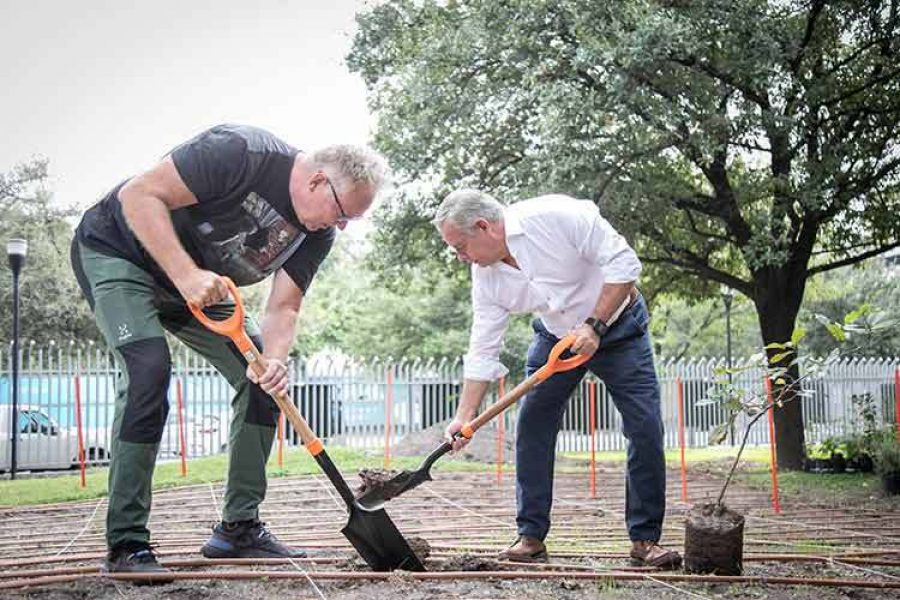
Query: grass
{"type": "Point", "coordinates": [814, 485]}
{"type": "Point", "coordinates": [64, 488]}
{"type": "Point", "coordinates": [752, 454]}
{"type": "Point", "coordinates": [211, 469]}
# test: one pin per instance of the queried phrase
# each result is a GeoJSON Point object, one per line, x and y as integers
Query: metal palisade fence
{"type": "Point", "coordinates": [67, 390]}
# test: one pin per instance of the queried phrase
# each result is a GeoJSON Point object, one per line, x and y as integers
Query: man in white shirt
{"type": "Point", "coordinates": [556, 257]}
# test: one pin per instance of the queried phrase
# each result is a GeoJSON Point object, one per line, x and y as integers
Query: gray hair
{"type": "Point", "coordinates": [352, 166]}
{"type": "Point", "coordinates": [465, 206]}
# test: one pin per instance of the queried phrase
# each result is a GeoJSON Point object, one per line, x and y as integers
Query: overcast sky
{"type": "Point", "coordinates": [105, 88]}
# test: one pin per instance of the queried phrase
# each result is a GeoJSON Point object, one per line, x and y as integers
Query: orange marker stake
{"type": "Point", "coordinates": [679, 386]}
{"type": "Point", "coordinates": [897, 400]}
{"type": "Point", "coordinates": [80, 430]}
{"type": "Point", "coordinates": [389, 411]}
{"type": "Point", "coordinates": [592, 416]}
{"type": "Point", "coordinates": [776, 505]}
{"type": "Point", "coordinates": [179, 397]}
{"type": "Point", "coordinates": [501, 432]}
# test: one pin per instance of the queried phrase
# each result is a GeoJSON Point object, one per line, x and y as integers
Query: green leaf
{"type": "Point", "coordinates": [777, 358]}
{"type": "Point", "coordinates": [718, 434]}
{"type": "Point", "coordinates": [853, 315]}
{"type": "Point", "coordinates": [734, 405]}
{"type": "Point", "coordinates": [836, 331]}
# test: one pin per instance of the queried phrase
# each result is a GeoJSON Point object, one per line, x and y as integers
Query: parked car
{"type": "Point", "coordinates": [204, 435]}
{"type": "Point", "coordinates": [42, 444]}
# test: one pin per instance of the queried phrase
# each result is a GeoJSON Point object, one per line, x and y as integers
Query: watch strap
{"type": "Point", "coordinates": [599, 327]}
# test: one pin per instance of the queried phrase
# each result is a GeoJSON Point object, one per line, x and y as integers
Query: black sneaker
{"type": "Point", "coordinates": [136, 557]}
{"type": "Point", "coordinates": [246, 539]}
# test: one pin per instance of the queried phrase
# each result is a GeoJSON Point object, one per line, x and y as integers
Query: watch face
{"type": "Point", "coordinates": [597, 325]}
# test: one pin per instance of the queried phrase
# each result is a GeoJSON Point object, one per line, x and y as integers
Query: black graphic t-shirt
{"type": "Point", "coordinates": [243, 224]}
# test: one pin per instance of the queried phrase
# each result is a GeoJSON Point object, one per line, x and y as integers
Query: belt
{"type": "Point", "coordinates": [633, 297]}
{"type": "Point", "coordinates": [627, 304]}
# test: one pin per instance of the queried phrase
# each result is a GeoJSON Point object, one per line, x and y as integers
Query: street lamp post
{"type": "Point", "coordinates": [16, 249]}
{"type": "Point", "coordinates": [727, 294]}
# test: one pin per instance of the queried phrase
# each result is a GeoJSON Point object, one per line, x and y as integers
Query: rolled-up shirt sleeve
{"type": "Point", "coordinates": [489, 324]}
{"type": "Point", "coordinates": [597, 241]}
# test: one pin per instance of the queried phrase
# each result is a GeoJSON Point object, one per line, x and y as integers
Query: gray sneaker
{"type": "Point", "coordinates": [136, 557]}
{"type": "Point", "coordinates": [246, 539]}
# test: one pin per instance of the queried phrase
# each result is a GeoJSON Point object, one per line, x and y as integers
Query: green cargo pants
{"type": "Point", "coordinates": [132, 311]}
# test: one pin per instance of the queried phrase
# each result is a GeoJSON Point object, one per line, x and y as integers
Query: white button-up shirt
{"type": "Point", "coordinates": [566, 252]}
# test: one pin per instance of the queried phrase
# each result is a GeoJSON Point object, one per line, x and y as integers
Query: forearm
{"type": "Point", "coordinates": [150, 220]}
{"type": "Point", "coordinates": [278, 327]}
{"type": "Point", "coordinates": [611, 301]}
{"type": "Point", "coordinates": [473, 392]}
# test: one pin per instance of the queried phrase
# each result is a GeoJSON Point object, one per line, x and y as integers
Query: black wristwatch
{"type": "Point", "coordinates": [599, 327]}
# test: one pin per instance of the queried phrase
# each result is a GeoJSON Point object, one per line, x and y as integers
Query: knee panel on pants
{"type": "Point", "coordinates": [261, 410]}
{"type": "Point", "coordinates": [149, 368]}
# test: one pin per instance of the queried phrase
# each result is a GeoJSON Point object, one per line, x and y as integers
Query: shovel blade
{"type": "Point", "coordinates": [393, 487]}
{"type": "Point", "coordinates": [379, 542]}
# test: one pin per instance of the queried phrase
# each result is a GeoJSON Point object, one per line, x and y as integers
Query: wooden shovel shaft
{"type": "Point", "coordinates": [553, 365]}
{"type": "Point", "coordinates": [310, 440]}
{"type": "Point", "coordinates": [469, 429]}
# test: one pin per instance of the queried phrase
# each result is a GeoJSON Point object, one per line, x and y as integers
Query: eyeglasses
{"type": "Point", "coordinates": [342, 216]}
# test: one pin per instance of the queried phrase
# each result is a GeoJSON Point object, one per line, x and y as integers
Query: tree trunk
{"type": "Point", "coordinates": [779, 293]}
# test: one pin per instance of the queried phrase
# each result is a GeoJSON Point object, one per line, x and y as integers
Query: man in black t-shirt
{"type": "Point", "coordinates": [233, 201]}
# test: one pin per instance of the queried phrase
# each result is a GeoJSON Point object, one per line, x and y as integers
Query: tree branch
{"type": "Point", "coordinates": [811, 18]}
{"type": "Point", "coordinates": [756, 96]}
{"type": "Point", "coordinates": [852, 259]}
{"type": "Point", "coordinates": [701, 268]}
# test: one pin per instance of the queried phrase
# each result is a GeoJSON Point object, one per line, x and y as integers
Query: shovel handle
{"type": "Point", "coordinates": [233, 328]}
{"type": "Point", "coordinates": [553, 365]}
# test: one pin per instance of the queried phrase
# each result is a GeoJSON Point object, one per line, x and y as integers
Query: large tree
{"type": "Point", "coordinates": [751, 144]}
{"type": "Point", "coordinates": [52, 308]}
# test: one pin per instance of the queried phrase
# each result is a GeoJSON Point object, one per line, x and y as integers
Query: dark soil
{"type": "Point", "coordinates": [714, 540]}
{"type": "Point", "coordinates": [420, 547]}
{"type": "Point", "coordinates": [374, 479]}
{"type": "Point", "coordinates": [401, 589]}
{"type": "Point", "coordinates": [468, 562]}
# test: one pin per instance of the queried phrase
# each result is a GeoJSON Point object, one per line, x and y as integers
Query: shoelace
{"type": "Point", "coordinates": [264, 533]}
{"type": "Point", "coordinates": [143, 556]}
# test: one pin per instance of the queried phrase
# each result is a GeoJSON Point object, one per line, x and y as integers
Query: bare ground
{"type": "Point", "coordinates": [465, 515]}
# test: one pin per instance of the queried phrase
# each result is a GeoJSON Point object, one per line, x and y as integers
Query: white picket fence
{"type": "Point", "coordinates": [347, 402]}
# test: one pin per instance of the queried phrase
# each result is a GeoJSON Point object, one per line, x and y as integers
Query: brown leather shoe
{"type": "Point", "coordinates": [651, 554]}
{"type": "Point", "coordinates": [525, 549]}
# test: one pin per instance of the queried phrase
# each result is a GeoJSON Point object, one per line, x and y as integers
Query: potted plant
{"type": "Point", "coordinates": [816, 461]}
{"type": "Point", "coordinates": [887, 462]}
{"type": "Point", "coordinates": [836, 460]}
{"type": "Point", "coordinates": [714, 534]}
{"type": "Point", "coordinates": [857, 457]}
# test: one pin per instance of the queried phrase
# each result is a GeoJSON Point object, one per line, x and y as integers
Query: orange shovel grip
{"type": "Point", "coordinates": [555, 365]}
{"type": "Point", "coordinates": [233, 326]}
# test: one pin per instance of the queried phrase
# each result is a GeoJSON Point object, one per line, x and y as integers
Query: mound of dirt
{"type": "Point", "coordinates": [372, 479]}
{"type": "Point", "coordinates": [468, 562]}
{"type": "Point", "coordinates": [482, 447]}
{"type": "Point", "coordinates": [420, 547]}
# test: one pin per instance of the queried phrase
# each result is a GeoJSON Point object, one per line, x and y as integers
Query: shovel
{"type": "Point", "coordinates": [371, 532]}
{"type": "Point", "coordinates": [376, 496]}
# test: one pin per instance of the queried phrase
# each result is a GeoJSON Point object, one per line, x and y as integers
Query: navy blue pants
{"type": "Point", "coordinates": [625, 364]}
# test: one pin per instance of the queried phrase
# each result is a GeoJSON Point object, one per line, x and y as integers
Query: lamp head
{"type": "Point", "coordinates": [16, 250]}
{"type": "Point", "coordinates": [727, 293]}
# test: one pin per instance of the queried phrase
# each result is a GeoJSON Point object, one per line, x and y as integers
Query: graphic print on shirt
{"type": "Point", "coordinates": [246, 242]}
